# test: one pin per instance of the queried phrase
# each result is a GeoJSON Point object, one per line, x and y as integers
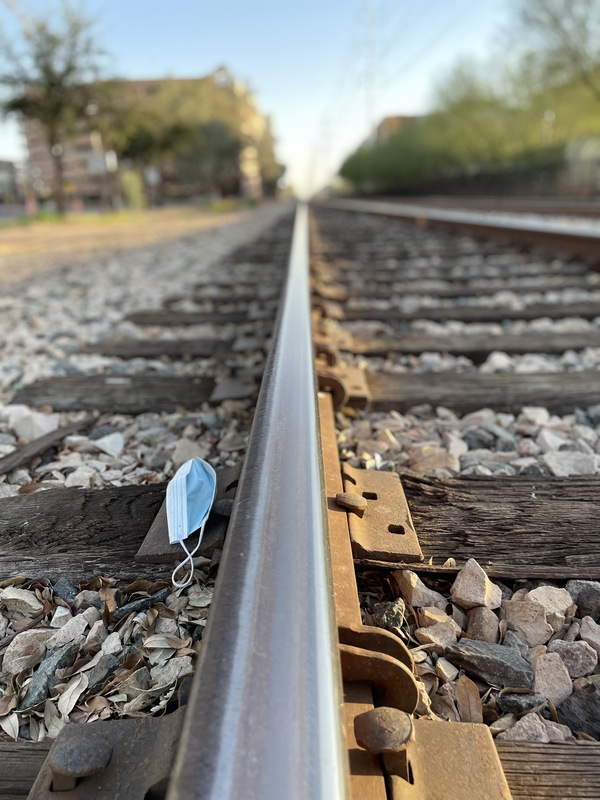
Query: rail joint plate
{"type": "Point", "coordinates": [385, 531]}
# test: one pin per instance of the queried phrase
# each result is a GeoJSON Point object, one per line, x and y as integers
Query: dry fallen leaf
{"type": "Point", "coordinates": [468, 700]}
{"type": "Point", "coordinates": [73, 691]}
{"type": "Point", "coordinates": [10, 725]}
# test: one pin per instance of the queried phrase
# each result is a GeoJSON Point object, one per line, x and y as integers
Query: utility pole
{"type": "Point", "coordinates": [370, 64]}
{"type": "Point", "coordinates": [325, 140]}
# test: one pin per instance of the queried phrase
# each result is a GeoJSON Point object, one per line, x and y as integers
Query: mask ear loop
{"type": "Point", "coordinates": [188, 557]}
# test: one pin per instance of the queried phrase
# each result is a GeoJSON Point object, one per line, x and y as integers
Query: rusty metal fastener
{"type": "Point", "coordinates": [383, 730]}
{"type": "Point", "coordinates": [76, 756]}
{"type": "Point", "coordinates": [386, 732]}
{"type": "Point", "coordinates": [353, 502]}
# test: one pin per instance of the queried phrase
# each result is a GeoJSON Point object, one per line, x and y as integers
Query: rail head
{"type": "Point", "coordinates": [264, 718]}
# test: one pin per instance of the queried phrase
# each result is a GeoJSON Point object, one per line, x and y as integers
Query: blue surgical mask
{"type": "Point", "coordinates": [190, 495]}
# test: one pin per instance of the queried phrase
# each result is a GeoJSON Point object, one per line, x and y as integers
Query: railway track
{"type": "Point", "coordinates": [437, 669]}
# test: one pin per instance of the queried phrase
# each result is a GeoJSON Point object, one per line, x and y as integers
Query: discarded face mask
{"type": "Point", "coordinates": [190, 495]}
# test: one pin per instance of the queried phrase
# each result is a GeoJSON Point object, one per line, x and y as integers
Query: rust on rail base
{"type": "Point", "coordinates": [366, 776]}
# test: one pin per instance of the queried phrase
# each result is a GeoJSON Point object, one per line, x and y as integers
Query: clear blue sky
{"type": "Point", "coordinates": [307, 61]}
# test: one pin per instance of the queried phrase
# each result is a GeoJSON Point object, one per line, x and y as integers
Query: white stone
{"type": "Point", "coordinates": [538, 415]}
{"type": "Point", "coordinates": [565, 463]}
{"type": "Point", "coordinates": [441, 635]}
{"type": "Point", "coordinates": [112, 644]}
{"type": "Point", "coordinates": [556, 602]}
{"type": "Point", "coordinates": [71, 631]}
{"type": "Point", "coordinates": [414, 592]}
{"type": "Point", "coordinates": [590, 633]}
{"type": "Point", "coordinates": [96, 636]}
{"type": "Point", "coordinates": [60, 617]}
{"type": "Point", "coordinates": [112, 444]}
{"type": "Point", "coordinates": [430, 615]}
{"type": "Point", "coordinates": [557, 732]}
{"type": "Point", "coordinates": [528, 619]}
{"type": "Point", "coordinates": [91, 615]}
{"type": "Point", "coordinates": [552, 679]}
{"type": "Point", "coordinates": [81, 477]}
{"type": "Point", "coordinates": [455, 445]}
{"type": "Point", "coordinates": [498, 360]}
{"type": "Point", "coordinates": [550, 441]}
{"type": "Point", "coordinates": [445, 670]}
{"type": "Point", "coordinates": [35, 424]}
{"type": "Point", "coordinates": [187, 449]}
{"type": "Point", "coordinates": [472, 588]}
{"type": "Point", "coordinates": [529, 728]}
{"type": "Point", "coordinates": [21, 600]}
{"type": "Point", "coordinates": [26, 650]}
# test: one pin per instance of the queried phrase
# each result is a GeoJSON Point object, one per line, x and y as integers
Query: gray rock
{"type": "Point", "coordinates": [576, 586]}
{"type": "Point", "coordinates": [518, 703]}
{"type": "Point", "coordinates": [101, 431]}
{"type": "Point", "coordinates": [483, 624]}
{"type": "Point", "coordinates": [479, 439]}
{"type": "Point", "coordinates": [505, 441]}
{"type": "Point", "coordinates": [389, 614]}
{"type": "Point", "coordinates": [581, 711]}
{"type": "Point", "coordinates": [142, 603]}
{"type": "Point", "coordinates": [552, 678]}
{"type": "Point", "coordinates": [65, 590]}
{"type": "Point", "coordinates": [512, 640]}
{"type": "Point", "coordinates": [98, 674]}
{"type": "Point", "coordinates": [593, 414]}
{"type": "Point", "coordinates": [578, 657]}
{"type": "Point", "coordinates": [588, 603]}
{"type": "Point", "coordinates": [497, 665]}
{"type": "Point", "coordinates": [532, 469]}
{"type": "Point", "coordinates": [37, 691]}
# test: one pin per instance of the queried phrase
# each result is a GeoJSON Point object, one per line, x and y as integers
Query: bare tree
{"type": "Point", "coordinates": [48, 75]}
{"type": "Point", "coordinates": [566, 33]}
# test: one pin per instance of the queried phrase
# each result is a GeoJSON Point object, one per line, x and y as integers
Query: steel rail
{"type": "Point", "coordinates": [579, 239]}
{"type": "Point", "coordinates": [264, 719]}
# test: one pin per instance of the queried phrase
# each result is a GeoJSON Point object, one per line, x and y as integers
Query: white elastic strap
{"type": "Point", "coordinates": [188, 557]}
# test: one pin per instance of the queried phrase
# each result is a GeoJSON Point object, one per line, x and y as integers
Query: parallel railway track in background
{"type": "Point", "coordinates": [338, 660]}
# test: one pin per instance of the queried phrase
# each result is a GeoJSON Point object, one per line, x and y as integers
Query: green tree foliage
{"type": "Point", "coordinates": [195, 129]}
{"type": "Point", "coordinates": [211, 158]}
{"type": "Point", "coordinates": [565, 35]}
{"type": "Point", "coordinates": [520, 114]}
{"type": "Point", "coordinates": [48, 75]}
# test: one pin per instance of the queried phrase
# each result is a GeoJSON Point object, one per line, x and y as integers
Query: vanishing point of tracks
{"type": "Point", "coordinates": [434, 637]}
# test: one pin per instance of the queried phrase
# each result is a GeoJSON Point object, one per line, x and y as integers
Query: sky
{"type": "Point", "coordinates": [325, 70]}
